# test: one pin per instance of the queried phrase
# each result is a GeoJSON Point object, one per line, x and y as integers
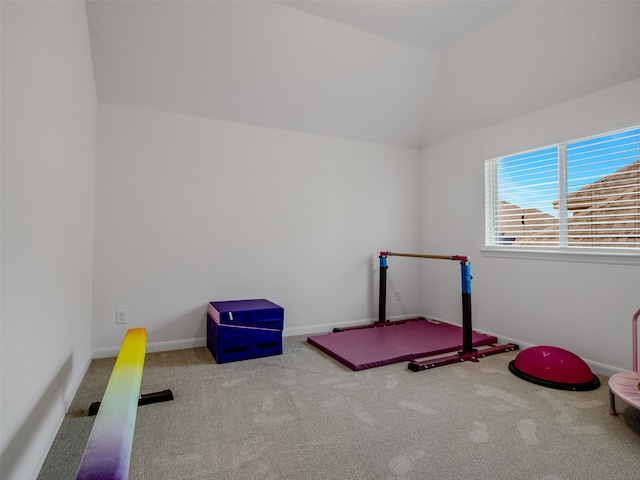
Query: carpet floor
{"type": "Point", "coordinates": [302, 415]}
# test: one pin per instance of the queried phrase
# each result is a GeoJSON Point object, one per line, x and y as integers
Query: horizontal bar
{"type": "Point", "coordinates": [462, 258]}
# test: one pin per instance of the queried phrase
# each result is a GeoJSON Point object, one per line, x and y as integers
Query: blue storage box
{"type": "Point", "coordinates": [249, 313]}
{"type": "Point", "coordinates": [230, 343]}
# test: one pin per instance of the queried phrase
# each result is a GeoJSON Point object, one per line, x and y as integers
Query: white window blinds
{"type": "Point", "coordinates": [577, 194]}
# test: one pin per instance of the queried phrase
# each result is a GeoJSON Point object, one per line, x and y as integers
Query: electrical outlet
{"type": "Point", "coordinates": [121, 316]}
{"type": "Point", "coordinates": [397, 294]}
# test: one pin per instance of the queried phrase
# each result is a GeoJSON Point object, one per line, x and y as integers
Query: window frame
{"type": "Point", "coordinates": [562, 252]}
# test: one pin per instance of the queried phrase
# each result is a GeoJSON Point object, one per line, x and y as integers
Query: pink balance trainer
{"type": "Point", "coordinates": [555, 368]}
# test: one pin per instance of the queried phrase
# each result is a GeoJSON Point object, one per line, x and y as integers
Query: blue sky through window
{"type": "Point", "coordinates": [589, 160]}
{"type": "Point", "coordinates": [530, 179]}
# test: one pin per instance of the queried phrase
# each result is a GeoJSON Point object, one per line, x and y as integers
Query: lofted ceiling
{"type": "Point", "coordinates": [405, 73]}
{"type": "Point", "coordinates": [430, 25]}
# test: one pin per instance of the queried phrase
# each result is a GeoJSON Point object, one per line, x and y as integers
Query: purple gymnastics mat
{"type": "Point", "coordinates": [362, 348]}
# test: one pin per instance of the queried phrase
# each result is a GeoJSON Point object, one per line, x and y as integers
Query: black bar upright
{"type": "Point", "coordinates": [467, 333]}
{"type": "Point", "coordinates": [382, 301]}
{"type": "Point", "coordinates": [467, 328]}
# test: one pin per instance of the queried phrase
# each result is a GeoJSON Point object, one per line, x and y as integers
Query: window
{"type": "Point", "coordinates": [574, 195]}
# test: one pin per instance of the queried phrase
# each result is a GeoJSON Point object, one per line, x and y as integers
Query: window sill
{"type": "Point", "coordinates": [590, 255]}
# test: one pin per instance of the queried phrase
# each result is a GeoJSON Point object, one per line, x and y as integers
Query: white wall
{"type": "Point", "coordinates": [190, 210]}
{"type": "Point", "coordinates": [48, 162]}
{"type": "Point", "coordinates": [583, 307]}
{"type": "Point", "coordinates": [260, 63]}
{"type": "Point", "coordinates": [536, 56]}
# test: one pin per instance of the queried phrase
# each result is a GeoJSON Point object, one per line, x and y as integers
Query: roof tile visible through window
{"type": "Point", "coordinates": [605, 213]}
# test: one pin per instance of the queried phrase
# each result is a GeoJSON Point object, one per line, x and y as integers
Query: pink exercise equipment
{"type": "Point", "coordinates": [420, 340]}
{"type": "Point", "coordinates": [554, 367]}
{"type": "Point", "coordinates": [626, 385]}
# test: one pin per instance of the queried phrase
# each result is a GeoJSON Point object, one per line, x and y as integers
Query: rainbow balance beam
{"type": "Point", "coordinates": [108, 451]}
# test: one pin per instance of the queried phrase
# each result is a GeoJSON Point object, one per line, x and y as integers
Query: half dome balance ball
{"type": "Point", "coordinates": [555, 368]}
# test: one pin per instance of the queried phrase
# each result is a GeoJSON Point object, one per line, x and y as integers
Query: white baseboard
{"type": "Point", "coordinates": [597, 368]}
{"type": "Point", "coordinates": [109, 352]}
{"type": "Point", "coordinates": [33, 459]}
{"type": "Point", "coordinates": [328, 327]}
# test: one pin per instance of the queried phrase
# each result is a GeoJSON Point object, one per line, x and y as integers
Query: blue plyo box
{"type": "Point", "coordinates": [229, 343]}
{"type": "Point", "coordinates": [249, 313]}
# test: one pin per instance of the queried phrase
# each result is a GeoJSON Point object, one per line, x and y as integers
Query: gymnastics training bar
{"type": "Point", "coordinates": [465, 272]}
{"type": "Point", "coordinates": [468, 352]}
{"type": "Point", "coordinates": [108, 451]}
